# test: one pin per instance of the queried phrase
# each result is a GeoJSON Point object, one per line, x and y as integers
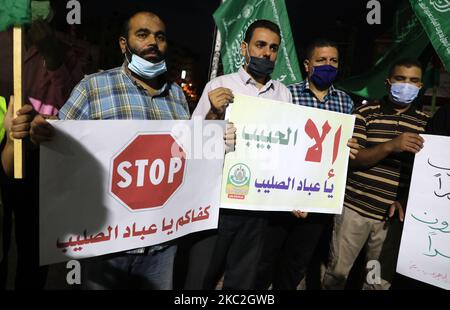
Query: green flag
{"type": "Point", "coordinates": [232, 19]}
{"type": "Point", "coordinates": [410, 41]}
{"type": "Point", "coordinates": [434, 15]}
{"type": "Point", "coordinates": [14, 13]}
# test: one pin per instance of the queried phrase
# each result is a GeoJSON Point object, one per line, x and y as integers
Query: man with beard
{"type": "Point", "coordinates": [138, 90]}
{"type": "Point", "coordinates": [235, 248]}
{"type": "Point", "coordinates": [388, 132]}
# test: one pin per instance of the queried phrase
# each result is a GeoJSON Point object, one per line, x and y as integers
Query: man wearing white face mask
{"type": "Point", "coordinates": [138, 90]}
{"type": "Point", "coordinates": [377, 185]}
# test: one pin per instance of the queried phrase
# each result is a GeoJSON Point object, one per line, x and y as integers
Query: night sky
{"type": "Point", "coordinates": [190, 25]}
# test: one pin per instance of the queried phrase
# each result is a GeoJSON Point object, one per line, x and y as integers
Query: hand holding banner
{"type": "Point", "coordinates": [287, 157]}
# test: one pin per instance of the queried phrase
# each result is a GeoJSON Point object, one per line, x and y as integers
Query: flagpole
{"type": "Point", "coordinates": [18, 96]}
{"type": "Point", "coordinates": [436, 82]}
{"type": "Point", "coordinates": [433, 99]}
{"type": "Point", "coordinates": [216, 53]}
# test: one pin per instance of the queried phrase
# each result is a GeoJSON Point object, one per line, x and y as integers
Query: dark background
{"type": "Point", "coordinates": [190, 30]}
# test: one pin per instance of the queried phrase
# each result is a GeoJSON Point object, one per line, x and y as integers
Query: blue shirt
{"type": "Point", "coordinates": [114, 94]}
{"type": "Point", "coordinates": [336, 100]}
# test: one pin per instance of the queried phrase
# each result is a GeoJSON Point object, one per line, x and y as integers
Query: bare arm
{"type": "Point", "coordinates": [219, 99]}
{"type": "Point", "coordinates": [8, 157]}
{"type": "Point", "coordinates": [406, 142]}
{"type": "Point", "coordinates": [214, 115]}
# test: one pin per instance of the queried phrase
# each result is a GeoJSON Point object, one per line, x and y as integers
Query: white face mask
{"type": "Point", "coordinates": [145, 68]}
{"type": "Point", "coordinates": [403, 93]}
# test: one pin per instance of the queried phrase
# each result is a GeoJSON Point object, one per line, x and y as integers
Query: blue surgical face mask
{"type": "Point", "coordinates": [145, 68]}
{"type": "Point", "coordinates": [323, 76]}
{"type": "Point", "coordinates": [403, 93]}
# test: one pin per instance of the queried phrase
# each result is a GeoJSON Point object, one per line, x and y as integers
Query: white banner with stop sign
{"type": "Point", "coordinates": [109, 186]}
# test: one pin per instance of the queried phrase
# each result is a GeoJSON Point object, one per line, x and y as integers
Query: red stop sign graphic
{"type": "Point", "coordinates": [145, 174]}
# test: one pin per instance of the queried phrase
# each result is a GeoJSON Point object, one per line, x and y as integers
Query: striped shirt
{"type": "Point", "coordinates": [115, 95]}
{"type": "Point", "coordinates": [336, 100]}
{"type": "Point", "coordinates": [371, 191]}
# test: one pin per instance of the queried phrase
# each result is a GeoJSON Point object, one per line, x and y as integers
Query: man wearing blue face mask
{"type": "Point", "coordinates": [293, 238]}
{"type": "Point", "coordinates": [377, 186]}
{"type": "Point", "coordinates": [317, 90]}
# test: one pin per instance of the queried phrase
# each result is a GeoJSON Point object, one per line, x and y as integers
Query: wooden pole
{"type": "Point", "coordinates": [433, 99]}
{"type": "Point", "coordinates": [18, 98]}
{"type": "Point", "coordinates": [436, 82]}
{"type": "Point", "coordinates": [216, 56]}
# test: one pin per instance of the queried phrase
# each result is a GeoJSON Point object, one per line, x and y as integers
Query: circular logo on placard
{"type": "Point", "coordinates": [239, 175]}
{"type": "Point", "coordinates": [238, 182]}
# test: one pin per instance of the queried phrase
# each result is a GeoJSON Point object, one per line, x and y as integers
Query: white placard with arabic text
{"type": "Point", "coordinates": [425, 247]}
{"type": "Point", "coordinates": [108, 186]}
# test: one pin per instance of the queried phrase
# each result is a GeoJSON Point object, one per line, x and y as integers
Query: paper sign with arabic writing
{"type": "Point", "coordinates": [109, 186]}
{"type": "Point", "coordinates": [287, 157]}
{"type": "Point", "coordinates": [425, 246]}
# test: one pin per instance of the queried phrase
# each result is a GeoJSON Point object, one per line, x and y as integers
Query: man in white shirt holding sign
{"type": "Point", "coordinates": [235, 248]}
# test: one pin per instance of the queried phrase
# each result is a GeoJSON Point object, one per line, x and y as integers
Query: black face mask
{"type": "Point", "coordinates": [260, 67]}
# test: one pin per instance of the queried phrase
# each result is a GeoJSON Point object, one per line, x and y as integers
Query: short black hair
{"type": "Point", "coordinates": [320, 42]}
{"type": "Point", "coordinates": [405, 62]}
{"type": "Point", "coordinates": [125, 28]}
{"type": "Point", "coordinates": [126, 22]}
{"type": "Point", "coordinates": [261, 23]}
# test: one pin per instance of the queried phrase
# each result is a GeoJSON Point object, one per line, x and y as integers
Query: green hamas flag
{"type": "Point", "coordinates": [233, 18]}
{"type": "Point", "coordinates": [434, 16]}
{"type": "Point", "coordinates": [14, 13]}
{"type": "Point", "coordinates": [410, 41]}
